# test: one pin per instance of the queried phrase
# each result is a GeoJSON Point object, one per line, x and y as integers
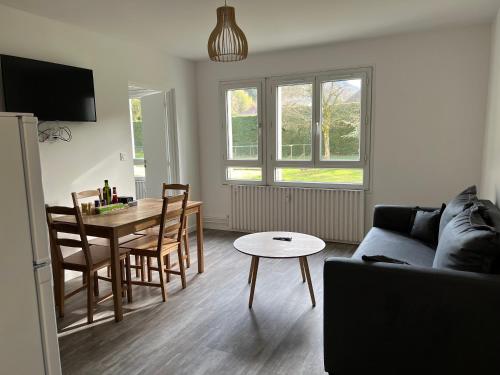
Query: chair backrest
{"type": "Point", "coordinates": [84, 194]}
{"type": "Point", "coordinates": [56, 227]}
{"type": "Point", "coordinates": [174, 188]}
{"type": "Point", "coordinates": [173, 216]}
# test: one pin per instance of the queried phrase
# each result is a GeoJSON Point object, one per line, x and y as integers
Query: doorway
{"type": "Point", "coordinates": [153, 126]}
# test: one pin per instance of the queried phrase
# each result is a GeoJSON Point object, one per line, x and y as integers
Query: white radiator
{"type": "Point", "coordinates": [140, 188]}
{"type": "Point", "coordinates": [333, 215]}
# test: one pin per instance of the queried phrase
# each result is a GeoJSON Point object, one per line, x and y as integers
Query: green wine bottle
{"type": "Point", "coordinates": [106, 192]}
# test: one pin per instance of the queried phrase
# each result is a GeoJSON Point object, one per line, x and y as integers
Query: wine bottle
{"type": "Point", "coordinates": [106, 192]}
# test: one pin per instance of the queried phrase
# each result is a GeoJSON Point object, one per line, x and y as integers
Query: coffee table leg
{"type": "Point", "coordinates": [302, 270]}
{"type": "Point", "coordinates": [255, 268]}
{"type": "Point", "coordinates": [309, 282]}
{"type": "Point", "coordinates": [251, 270]}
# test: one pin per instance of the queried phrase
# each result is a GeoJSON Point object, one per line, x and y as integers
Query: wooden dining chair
{"type": "Point", "coordinates": [94, 194]}
{"type": "Point", "coordinates": [84, 195]}
{"type": "Point", "coordinates": [169, 188]}
{"type": "Point", "coordinates": [159, 246]}
{"type": "Point", "coordinates": [84, 260]}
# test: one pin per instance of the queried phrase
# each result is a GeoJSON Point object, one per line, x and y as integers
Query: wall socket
{"type": "Point", "coordinates": [123, 156]}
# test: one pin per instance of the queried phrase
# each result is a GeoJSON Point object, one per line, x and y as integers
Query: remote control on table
{"type": "Point", "coordinates": [282, 238]}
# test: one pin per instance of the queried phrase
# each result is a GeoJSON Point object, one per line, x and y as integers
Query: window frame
{"type": "Point", "coordinates": [261, 155]}
{"type": "Point", "coordinates": [268, 129]}
{"type": "Point", "coordinates": [272, 145]}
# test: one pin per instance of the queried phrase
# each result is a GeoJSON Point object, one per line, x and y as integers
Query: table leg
{"type": "Point", "coordinates": [251, 270]}
{"type": "Point", "coordinates": [115, 276]}
{"type": "Point", "coordinates": [302, 270]}
{"type": "Point", "coordinates": [255, 268]}
{"type": "Point", "coordinates": [309, 282]}
{"type": "Point", "coordinates": [199, 239]}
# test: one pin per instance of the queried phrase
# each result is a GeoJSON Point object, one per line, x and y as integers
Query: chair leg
{"type": "Point", "coordinates": [150, 272]}
{"type": "Point", "coordinates": [161, 270]}
{"type": "Point", "coordinates": [167, 257]}
{"type": "Point", "coordinates": [55, 282]}
{"type": "Point", "coordinates": [129, 278]}
{"type": "Point", "coordinates": [137, 270]}
{"type": "Point", "coordinates": [108, 271]}
{"type": "Point", "coordinates": [122, 275]}
{"type": "Point", "coordinates": [84, 278]}
{"type": "Point", "coordinates": [90, 297]}
{"type": "Point", "coordinates": [186, 248]}
{"type": "Point", "coordinates": [61, 293]}
{"type": "Point", "coordinates": [181, 266]}
{"type": "Point", "coordinates": [96, 285]}
{"type": "Point", "coordinates": [143, 274]}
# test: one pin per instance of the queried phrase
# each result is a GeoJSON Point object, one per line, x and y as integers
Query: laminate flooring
{"type": "Point", "coordinates": [206, 328]}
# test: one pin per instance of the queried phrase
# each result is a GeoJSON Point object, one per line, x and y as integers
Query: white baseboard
{"type": "Point", "coordinates": [221, 223]}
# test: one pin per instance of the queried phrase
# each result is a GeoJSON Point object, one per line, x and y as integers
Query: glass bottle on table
{"type": "Point", "coordinates": [115, 196]}
{"type": "Point", "coordinates": [106, 192]}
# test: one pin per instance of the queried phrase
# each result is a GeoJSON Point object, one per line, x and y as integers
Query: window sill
{"type": "Point", "coordinates": [299, 185]}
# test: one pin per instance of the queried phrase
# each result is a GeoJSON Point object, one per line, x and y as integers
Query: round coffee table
{"type": "Point", "coordinates": [263, 245]}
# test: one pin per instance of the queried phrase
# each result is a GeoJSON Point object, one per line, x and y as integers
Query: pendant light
{"type": "Point", "coordinates": [227, 42]}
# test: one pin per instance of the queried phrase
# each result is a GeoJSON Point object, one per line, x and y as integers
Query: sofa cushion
{"type": "Point", "coordinates": [425, 225]}
{"type": "Point", "coordinates": [491, 214]}
{"type": "Point", "coordinates": [468, 243]}
{"type": "Point", "coordinates": [456, 206]}
{"type": "Point", "coordinates": [397, 246]}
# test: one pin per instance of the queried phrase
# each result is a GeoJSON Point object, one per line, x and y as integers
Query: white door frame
{"type": "Point", "coordinates": [170, 129]}
{"type": "Point", "coordinates": [172, 137]}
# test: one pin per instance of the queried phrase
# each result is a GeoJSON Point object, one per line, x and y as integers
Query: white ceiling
{"type": "Point", "coordinates": [182, 27]}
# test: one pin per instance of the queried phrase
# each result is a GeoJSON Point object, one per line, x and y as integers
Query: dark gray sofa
{"type": "Point", "coordinates": [383, 318]}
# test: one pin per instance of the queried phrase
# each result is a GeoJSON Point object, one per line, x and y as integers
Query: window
{"type": "Point", "coordinates": [294, 121]}
{"type": "Point", "coordinates": [317, 128]}
{"type": "Point", "coordinates": [242, 122]}
{"type": "Point", "coordinates": [137, 144]}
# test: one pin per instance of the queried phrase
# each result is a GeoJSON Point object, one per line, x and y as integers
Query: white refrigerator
{"type": "Point", "coordinates": [28, 332]}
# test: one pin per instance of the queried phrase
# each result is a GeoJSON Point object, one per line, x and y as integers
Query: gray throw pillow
{"type": "Point", "coordinates": [457, 205]}
{"type": "Point", "coordinates": [468, 243]}
{"type": "Point", "coordinates": [426, 225]}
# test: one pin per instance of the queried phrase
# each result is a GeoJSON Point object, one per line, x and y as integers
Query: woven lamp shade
{"type": "Point", "coordinates": [227, 42]}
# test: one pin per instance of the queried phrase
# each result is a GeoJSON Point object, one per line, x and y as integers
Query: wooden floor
{"type": "Point", "coordinates": [208, 327]}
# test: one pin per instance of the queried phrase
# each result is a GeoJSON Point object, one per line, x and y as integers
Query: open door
{"type": "Point", "coordinates": [156, 161]}
{"type": "Point", "coordinates": [153, 123]}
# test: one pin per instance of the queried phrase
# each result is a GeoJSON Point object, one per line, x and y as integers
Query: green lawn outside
{"type": "Point", "coordinates": [247, 174]}
{"type": "Point", "coordinates": [331, 176]}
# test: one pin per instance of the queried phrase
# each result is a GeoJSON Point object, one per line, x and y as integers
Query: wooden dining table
{"type": "Point", "coordinates": [121, 223]}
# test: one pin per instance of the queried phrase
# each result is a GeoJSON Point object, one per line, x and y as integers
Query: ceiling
{"type": "Point", "coordinates": [182, 27]}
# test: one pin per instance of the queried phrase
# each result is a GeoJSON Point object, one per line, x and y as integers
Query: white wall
{"type": "Point", "coordinates": [490, 186]}
{"type": "Point", "coordinates": [429, 102]}
{"type": "Point", "coordinates": [93, 154]}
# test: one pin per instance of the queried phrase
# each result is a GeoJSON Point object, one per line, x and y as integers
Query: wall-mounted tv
{"type": "Point", "coordinates": [52, 92]}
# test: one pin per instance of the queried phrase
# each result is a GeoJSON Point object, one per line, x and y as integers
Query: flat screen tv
{"type": "Point", "coordinates": [52, 92]}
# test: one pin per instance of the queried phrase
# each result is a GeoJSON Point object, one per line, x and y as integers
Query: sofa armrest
{"type": "Point", "coordinates": [396, 218]}
{"type": "Point", "coordinates": [396, 319]}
